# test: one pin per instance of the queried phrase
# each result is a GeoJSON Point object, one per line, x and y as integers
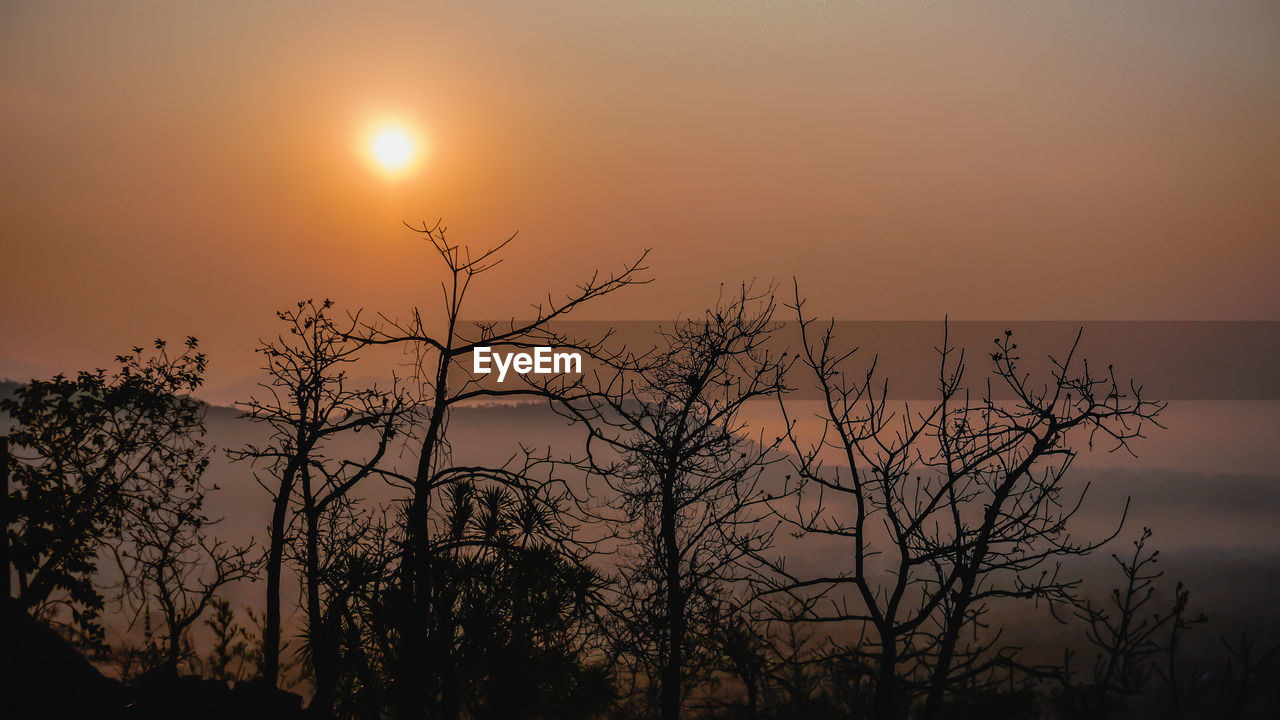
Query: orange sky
{"type": "Point", "coordinates": [187, 167]}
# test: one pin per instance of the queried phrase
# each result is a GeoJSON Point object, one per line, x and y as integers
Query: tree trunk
{"type": "Point", "coordinates": [323, 645]}
{"type": "Point", "coordinates": [946, 651]}
{"type": "Point", "coordinates": [6, 583]}
{"type": "Point", "coordinates": [174, 648]}
{"type": "Point", "coordinates": [412, 691]}
{"type": "Point", "coordinates": [671, 674]}
{"type": "Point", "coordinates": [275, 560]}
{"type": "Point", "coordinates": [886, 702]}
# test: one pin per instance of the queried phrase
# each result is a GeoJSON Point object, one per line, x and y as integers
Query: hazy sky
{"type": "Point", "coordinates": [174, 168]}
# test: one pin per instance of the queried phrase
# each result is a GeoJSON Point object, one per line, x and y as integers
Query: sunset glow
{"type": "Point", "coordinates": [666, 360]}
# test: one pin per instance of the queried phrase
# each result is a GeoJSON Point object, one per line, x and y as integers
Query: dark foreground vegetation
{"type": "Point", "coordinates": [661, 568]}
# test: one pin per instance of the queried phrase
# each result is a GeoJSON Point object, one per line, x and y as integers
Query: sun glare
{"type": "Point", "coordinates": [393, 149]}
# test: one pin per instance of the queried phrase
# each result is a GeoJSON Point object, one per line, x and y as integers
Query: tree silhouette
{"type": "Point", "coordinates": [639, 578]}
{"type": "Point", "coordinates": [513, 611]}
{"type": "Point", "coordinates": [309, 401]}
{"type": "Point", "coordinates": [236, 650]}
{"type": "Point", "coordinates": [92, 456]}
{"type": "Point", "coordinates": [666, 434]}
{"type": "Point", "coordinates": [524, 610]}
{"type": "Point", "coordinates": [173, 569]}
{"type": "Point", "coordinates": [1130, 634]}
{"type": "Point", "coordinates": [425, 623]}
{"type": "Point", "coordinates": [944, 510]}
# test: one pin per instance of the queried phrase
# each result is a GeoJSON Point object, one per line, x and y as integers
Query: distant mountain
{"type": "Point", "coordinates": [18, 370]}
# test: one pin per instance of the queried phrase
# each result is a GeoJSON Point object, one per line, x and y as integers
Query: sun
{"type": "Point", "coordinates": [393, 149]}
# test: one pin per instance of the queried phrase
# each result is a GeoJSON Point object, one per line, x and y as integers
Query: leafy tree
{"type": "Point", "coordinates": [524, 610]}
{"type": "Point", "coordinates": [514, 614]}
{"type": "Point", "coordinates": [93, 455]}
{"type": "Point", "coordinates": [234, 655]}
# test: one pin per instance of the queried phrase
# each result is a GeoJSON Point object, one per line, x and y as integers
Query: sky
{"type": "Point", "coordinates": [186, 168]}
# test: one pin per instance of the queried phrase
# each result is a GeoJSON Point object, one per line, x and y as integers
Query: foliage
{"type": "Point", "coordinates": [93, 454]}
{"type": "Point", "coordinates": [234, 655]}
{"type": "Point", "coordinates": [512, 613]}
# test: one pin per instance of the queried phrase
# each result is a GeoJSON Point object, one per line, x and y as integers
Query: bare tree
{"type": "Point", "coordinates": [1130, 633]}
{"type": "Point", "coordinates": [308, 401]}
{"type": "Point", "coordinates": [666, 433]}
{"type": "Point", "coordinates": [173, 570]}
{"type": "Point", "coordinates": [440, 349]}
{"type": "Point", "coordinates": [946, 510]}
